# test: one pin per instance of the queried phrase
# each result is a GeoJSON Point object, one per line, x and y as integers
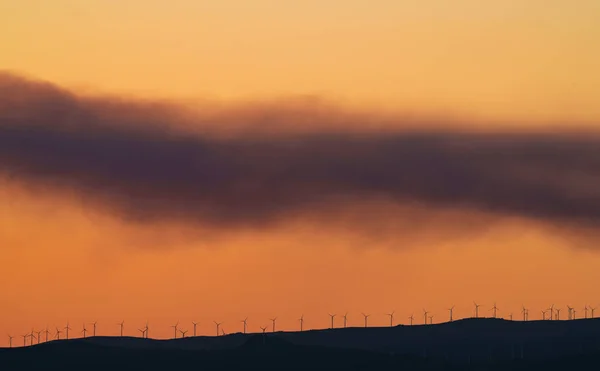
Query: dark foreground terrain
{"type": "Point", "coordinates": [472, 344]}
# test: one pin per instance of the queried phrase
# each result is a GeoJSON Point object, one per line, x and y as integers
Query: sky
{"type": "Point", "coordinates": [215, 160]}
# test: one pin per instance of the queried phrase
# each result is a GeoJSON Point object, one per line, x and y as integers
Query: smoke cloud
{"type": "Point", "coordinates": [248, 166]}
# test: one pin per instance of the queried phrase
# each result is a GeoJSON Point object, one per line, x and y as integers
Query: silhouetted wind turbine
{"type": "Point", "coordinates": [217, 324]}
{"type": "Point", "coordinates": [25, 339]}
{"type": "Point", "coordinates": [332, 318]}
{"type": "Point", "coordinates": [245, 322]}
{"type": "Point", "coordinates": [557, 310]}
{"type": "Point", "coordinates": [147, 329]}
{"type": "Point", "coordinates": [47, 333]}
{"type": "Point", "coordinates": [345, 319]}
{"type": "Point", "coordinates": [574, 313]}
{"type": "Point", "coordinates": [142, 331]}
{"type": "Point", "coordinates": [196, 324]}
{"type": "Point", "coordinates": [32, 335]}
{"type": "Point", "coordinates": [451, 310]}
{"type": "Point", "coordinates": [175, 327]}
{"type": "Point", "coordinates": [121, 325]}
{"type": "Point", "coordinates": [524, 311]}
{"type": "Point", "coordinates": [425, 315]}
{"type": "Point", "coordinates": [411, 317]}
{"type": "Point", "coordinates": [39, 335]}
{"type": "Point", "coordinates": [391, 318]}
{"type": "Point", "coordinates": [273, 320]}
{"type": "Point", "coordinates": [593, 309]}
{"type": "Point", "coordinates": [544, 314]}
{"type": "Point", "coordinates": [264, 335]}
{"type": "Point", "coordinates": [570, 312]}
{"type": "Point", "coordinates": [10, 341]}
{"type": "Point", "coordinates": [301, 319]}
{"type": "Point", "coordinates": [84, 331]}
{"type": "Point", "coordinates": [585, 310]}
{"type": "Point", "coordinates": [57, 336]}
{"type": "Point", "coordinates": [94, 330]}
{"type": "Point", "coordinates": [510, 316]}
{"type": "Point", "coordinates": [494, 309]}
{"type": "Point", "coordinates": [67, 328]}
{"type": "Point", "coordinates": [366, 318]}
{"type": "Point", "coordinates": [476, 309]}
{"type": "Point", "coordinates": [263, 328]}
{"type": "Point", "coordinates": [183, 333]}
{"type": "Point", "coordinates": [551, 309]}
{"type": "Point", "coordinates": [431, 320]}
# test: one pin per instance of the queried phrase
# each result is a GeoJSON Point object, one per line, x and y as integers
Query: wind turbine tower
{"type": "Point", "coordinates": [425, 315]}
{"type": "Point", "coordinates": [175, 329]}
{"type": "Point", "coordinates": [476, 309]}
{"type": "Point", "coordinates": [411, 317]}
{"type": "Point", "coordinates": [585, 311]}
{"type": "Point", "coordinates": [183, 333]}
{"type": "Point", "coordinates": [366, 319]}
{"type": "Point", "coordinates": [301, 319]}
{"type": "Point", "coordinates": [551, 309]}
{"type": "Point", "coordinates": [217, 324]}
{"type": "Point", "coordinates": [67, 328]}
{"type": "Point", "coordinates": [332, 318]}
{"type": "Point", "coordinates": [94, 330]}
{"type": "Point", "coordinates": [121, 325]}
{"type": "Point", "coordinates": [451, 309]}
{"type": "Point", "coordinates": [196, 324]}
{"type": "Point", "coordinates": [345, 319]}
{"type": "Point", "coordinates": [273, 320]}
{"type": "Point", "coordinates": [245, 322]}
{"type": "Point", "coordinates": [391, 318]}
{"type": "Point", "coordinates": [494, 309]}
{"type": "Point", "coordinates": [593, 309]}
{"type": "Point", "coordinates": [84, 331]}
{"type": "Point", "coordinates": [570, 315]}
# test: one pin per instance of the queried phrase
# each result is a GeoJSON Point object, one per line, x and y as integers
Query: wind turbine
{"type": "Point", "coordinates": [431, 320]}
{"type": "Point", "coordinates": [218, 324]}
{"type": "Point", "coordinates": [273, 320]}
{"type": "Point", "coordinates": [574, 313]}
{"type": "Point", "coordinates": [332, 317]}
{"type": "Point", "coordinates": [245, 322]}
{"type": "Point", "coordinates": [391, 318]}
{"type": "Point", "coordinates": [557, 310]}
{"type": "Point", "coordinates": [263, 328]}
{"type": "Point", "coordinates": [510, 316]}
{"type": "Point", "coordinates": [25, 339]}
{"type": "Point", "coordinates": [476, 309]}
{"type": "Point", "coordinates": [345, 319]}
{"type": "Point", "coordinates": [551, 309]}
{"type": "Point", "coordinates": [411, 317]}
{"type": "Point", "coordinates": [84, 331]}
{"type": "Point", "coordinates": [47, 333]}
{"type": "Point", "coordinates": [57, 336]}
{"type": "Point", "coordinates": [544, 314]}
{"type": "Point", "coordinates": [494, 309]}
{"type": "Point", "coordinates": [301, 319]}
{"type": "Point", "coordinates": [121, 324]}
{"type": "Point", "coordinates": [196, 324]}
{"type": "Point", "coordinates": [32, 335]}
{"type": "Point", "coordinates": [67, 328]}
{"type": "Point", "coordinates": [147, 329]}
{"type": "Point", "coordinates": [39, 333]}
{"type": "Point", "coordinates": [264, 335]}
{"type": "Point", "coordinates": [593, 309]}
{"type": "Point", "coordinates": [425, 315]}
{"type": "Point", "coordinates": [94, 331]}
{"type": "Point", "coordinates": [366, 318]}
{"type": "Point", "coordinates": [183, 333]}
{"type": "Point", "coordinates": [143, 331]}
{"type": "Point", "coordinates": [570, 309]}
{"type": "Point", "coordinates": [10, 341]}
{"type": "Point", "coordinates": [175, 327]}
{"type": "Point", "coordinates": [451, 309]}
{"type": "Point", "coordinates": [585, 310]}
{"type": "Point", "coordinates": [524, 311]}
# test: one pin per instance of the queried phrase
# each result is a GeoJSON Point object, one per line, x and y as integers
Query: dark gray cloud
{"type": "Point", "coordinates": [138, 161]}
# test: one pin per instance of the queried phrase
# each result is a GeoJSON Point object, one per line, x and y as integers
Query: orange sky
{"type": "Point", "coordinates": [502, 60]}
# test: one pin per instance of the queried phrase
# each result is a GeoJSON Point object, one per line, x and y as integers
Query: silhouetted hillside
{"type": "Point", "coordinates": [472, 344]}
